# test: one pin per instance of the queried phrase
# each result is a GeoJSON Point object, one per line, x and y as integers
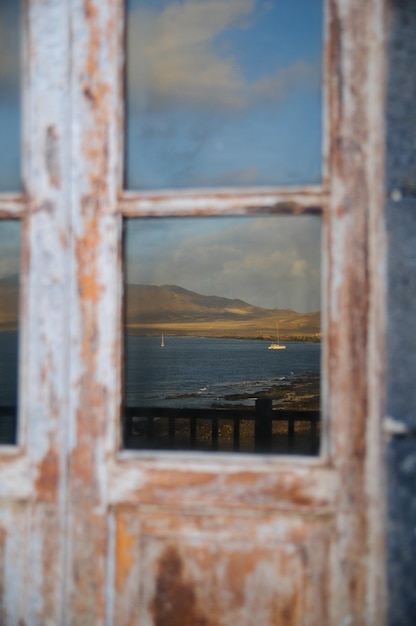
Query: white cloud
{"type": "Point", "coordinates": [276, 85]}
{"type": "Point", "coordinates": [299, 268]}
{"type": "Point", "coordinates": [174, 58]}
{"type": "Point", "coordinates": [9, 47]}
{"type": "Point", "coordinates": [271, 262]}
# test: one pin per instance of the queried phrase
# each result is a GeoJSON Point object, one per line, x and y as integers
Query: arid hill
{"type": "Point", "coordinates": [150, 309]}
{"type": "Point", "coordinates": [9, 302]}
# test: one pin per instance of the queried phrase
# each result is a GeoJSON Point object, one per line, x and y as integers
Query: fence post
{"type": "Point", "coordinates": [150, 428]}
{"type": "Point", "coordinates": [314, 435]}
{"type": "Point", "coordinates": [236, 433]}
{"type": "Point", "coordinates": [291, 432]}
{"type": "Point", "coordinates": [214, 433]}
{"type": "Point", "coordinates": [263, 425]}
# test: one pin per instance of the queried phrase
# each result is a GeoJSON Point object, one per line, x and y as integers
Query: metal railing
{"type": "Point", "coordinates": [8, 425]}
{"type": "Point", "coordinates": [141, 427]}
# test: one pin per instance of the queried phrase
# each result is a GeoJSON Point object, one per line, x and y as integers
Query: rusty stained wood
{"type": "Point", "coordinates": [16, 474]}
{"type": "Point", "coordinates": [213, 569]}
{"type": "Point", "coordinates": [96, 296]}
{"type": "Point", "coordinates": [44, 361]}
{"type": "Point", "coordinates": [13, 538]}
{"type": "Point", "coordinates": [195, 482]}
{"type": "Point", "coordinates": [12, 205]}
{"type": "Point", "coordinates": [353, 393]}
{"type": "Point", "coordinates": [96, 351]}
{"type": "Point", "coordinates": [98, 477]}
{"type": "Point", "coordinates": [283, 201]}
{"type": "Point", "coordinates": [374, 471]}
{"type": "Point", "coordinates": [33, 484]}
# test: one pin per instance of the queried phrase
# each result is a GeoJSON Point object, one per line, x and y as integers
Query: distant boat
{"type": "Point", "coordinates": [162, 343]}
{"type": "Point", "coordinates": [276, 345]}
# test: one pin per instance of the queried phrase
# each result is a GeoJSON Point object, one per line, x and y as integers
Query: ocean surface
{"type": "Point", "coordinates": [189, 371]}
{"type": "Point", "coordinates": [8, 368]}
{"type": "Point", "coordinates": [203, 372]}
{"type": "Point", "coordinates": [8, 386]}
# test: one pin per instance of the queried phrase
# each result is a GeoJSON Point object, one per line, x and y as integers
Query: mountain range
{"type": "Point", "coordinates": [151, 310]}
{"type": "Point", "coordinates": [9, 302]}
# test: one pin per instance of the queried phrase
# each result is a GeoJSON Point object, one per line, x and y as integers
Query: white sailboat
{"type": "Point", "coordinates": [162, 343]}
{"type": "Point", "coordinates": [276, 345]}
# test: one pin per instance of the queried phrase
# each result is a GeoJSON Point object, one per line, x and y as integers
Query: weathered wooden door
{"type": "Point", "coordinates": [93, 534]}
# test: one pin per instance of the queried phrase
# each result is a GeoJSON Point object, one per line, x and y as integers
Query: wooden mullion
{"type": "Point", "coordinates": [12, 205]}
{"type": "Point", "coordinates": [183, 203]}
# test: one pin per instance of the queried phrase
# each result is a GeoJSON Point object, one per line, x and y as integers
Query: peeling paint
{"type": "Point", "coordinates": [47, 481]}
{"type": "Point", "coordinates": [124, 553]}
{"type": "Point", "coordinates": [52, 156]}
{"type": "Point", "coordinates": [175, 601]}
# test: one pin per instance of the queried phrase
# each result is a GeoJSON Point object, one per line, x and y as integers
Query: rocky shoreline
{"type": "Point", "coordinates": [302, 393]}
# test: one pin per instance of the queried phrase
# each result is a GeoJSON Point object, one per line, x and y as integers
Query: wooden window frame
{"type": "Point", "coordinates": [69, 445]}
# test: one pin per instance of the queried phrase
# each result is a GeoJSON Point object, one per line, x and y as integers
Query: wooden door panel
{"type": "Point", "coordinates": [194, 539]}
{"type": "Point", "coordinates": [267, 484]}
{"type": "Point", "coordinates": [219, 570]}
{"type": "Point", "coordinates": [13, 539]}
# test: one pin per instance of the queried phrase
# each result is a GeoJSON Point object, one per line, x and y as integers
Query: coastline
{"type": "Point", "coordinates": [302, 393]}
{"type": "Point", "coordinates": [211, 333]}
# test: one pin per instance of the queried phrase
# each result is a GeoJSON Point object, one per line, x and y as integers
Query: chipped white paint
{"type": "Point", "coordinates": [33, 482]}
{"type": "Point", "coordinates": [16, 475]}
{"type": "Point", "coordinates": [11, 205]}
{"type": "Point", "coordinates": [232, 202]}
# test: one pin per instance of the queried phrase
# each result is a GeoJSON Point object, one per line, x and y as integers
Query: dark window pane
{"type": "Point", "coordinates": [223, 93]}
{"type": "Point", "coordinates": [9, 328]}
{"type": "Point", "coordinates": [9, 96]}
{"type": "Point", "coordinates": [222, 334]}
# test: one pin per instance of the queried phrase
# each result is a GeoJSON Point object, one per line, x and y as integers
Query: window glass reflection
{"type": "Point", "coordinates": [223, 93]}
{"type": "Point", "coordinates": [9, 96]}
{"type": "Point", "coordinates": [222, 334]}
{"type": "Point", "coordinates": [9, 328]}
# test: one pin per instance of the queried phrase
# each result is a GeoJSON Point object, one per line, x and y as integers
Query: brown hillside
{"type": "Point", "coordinates": [9, 302]}
{"type": "Point", "coordinates": [150, 309]}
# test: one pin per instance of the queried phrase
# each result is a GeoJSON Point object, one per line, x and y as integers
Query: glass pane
{"type": "Point", "coordinates": [9, 96]}
{"type": "Point", "coordinates": [222, 334]}
{"type": "Point", "coordinates": [9, 304]}
{"type": "Point", "coordinates": [223, 93]}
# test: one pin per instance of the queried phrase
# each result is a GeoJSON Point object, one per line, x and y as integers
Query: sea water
{"type": "Point", "coordinates": [189, 371]}
{"type": "Point", "coordinates": [8, 386]}
{"type": "Point", "coordinates": [8, 368]}
{"type": "Point", "coordinates": [203, 372]}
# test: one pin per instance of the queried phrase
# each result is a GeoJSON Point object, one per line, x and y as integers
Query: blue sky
{"type": "Point", "coordinates": [271, 261]}
{"type": "Point", "coordinates": [228, 94]}
{"type": "Point", "coordinates": [223, 93]}
{"type": "Point", "coordinates": [9, 130]}
{"type": "Point", "coordinates": [9, 96]}
{"type": "Point", "coordinates": [9, 247]}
